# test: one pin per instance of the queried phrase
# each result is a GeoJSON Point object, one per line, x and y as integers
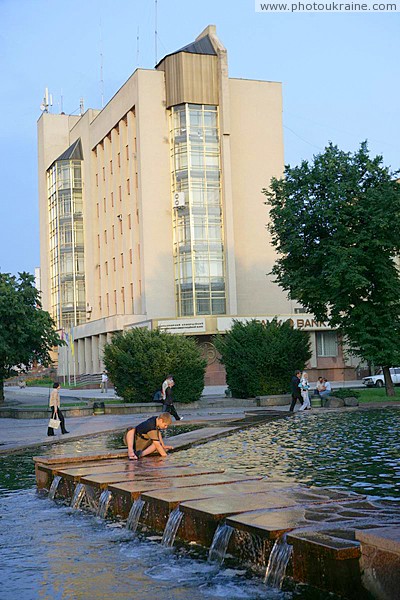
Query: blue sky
{"type": "Point", "coordinates": [340, 75]}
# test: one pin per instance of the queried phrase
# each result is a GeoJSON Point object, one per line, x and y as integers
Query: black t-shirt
{"type": "Point", "coordinates": [148, 429]}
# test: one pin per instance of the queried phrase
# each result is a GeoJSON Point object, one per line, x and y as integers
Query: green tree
{"type": "Point", "coordinates": [335, 223]}
{"type": "Point", "coordinates": [139, 360]}
{"type": "Point", "coordinates": [260, 358]}
{"type": "Point", "coordinates": [27, 333]}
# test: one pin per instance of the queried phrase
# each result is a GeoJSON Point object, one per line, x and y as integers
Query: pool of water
{"type": "Point", "coordinates": [52, 551]}
{"type": "Point", "coordinates": [358, 451]}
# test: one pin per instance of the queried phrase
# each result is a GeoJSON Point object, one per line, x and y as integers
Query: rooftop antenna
{"type": "Point", "coordinates": [81, 107]}
{"type": "Point", "coordinates": [137, 48]}
{"type": "Point", "coordinates": [47, 101]}
{"type": "Point", "coordinates": [155, 29]}
{"type": "Point", "coordinates": [62, 103]}
{"type": "Point", "coordinates": [101, 65]}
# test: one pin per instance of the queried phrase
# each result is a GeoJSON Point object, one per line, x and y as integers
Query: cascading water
{"type": "Point", "coordinates": [104, 502]}
{"type": "Point", "coordinates": [172, 527]}
{"type": "Point", "coordinates": [79, 493]}
{"type": "Point", "coordinates": [277, 563]}
{"type": "Point", "coordinates": [54, 486]}
{"type": "Point", "coordinates": [134, 514]}
{"type": "Point", "coordinates": [220, 543]}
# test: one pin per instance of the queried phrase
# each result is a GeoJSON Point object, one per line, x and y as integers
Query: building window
{"type": "Point", "coordinates": [327, 343]}
{"type": "Point", "coordinates": [128, 187]}
{"type": "Point", "coordinates": [300, 310]}
{"type": "Point", "coordinates": [105, 205]}
{"type": "Point", "coordinates": [120, 193]}
{"type": "Point", "coordinates": [98, 240]}
{"type": "Point", "coordinates": [106, 267]}
{"type": "Point", "coordinates": [97, 180]}
{"type": "Point", "coordinates": [130, 255]}
{"type": "Point", "coordinates": [111, 169]}
{"type": "Point", "coordinates": [129, 222]}
{"type": "Point", "coordinates": [104, 173]}
{"type": "Point", "coordinates": [98, 210]}
{"type": "Point", "coordinates": [105, 236]}
{"type": "Point", "coordinates": [112, 199]}
{"type": "Point", "coordinates": [199, 255]}
{"type": "Point", "coordinates": [113, 232]}
{"type": "Point", "coordinates": [127, 152]}
{"type": "Point", "coordinates": [119, 159]}
{"type": "Point", "coordinates": [114, 262]}
{"type": "Point", "coordinates": [122, 260]}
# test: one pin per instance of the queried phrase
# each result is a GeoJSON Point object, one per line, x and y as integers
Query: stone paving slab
{"type": "Point", "coordinates": [123, 466]}
{"type": "Point", "coordinates": [133, 487]}
{"type": "Point", "coordinates": [384, 538]}
{"type": "Point", "coordinates": [104, 480]}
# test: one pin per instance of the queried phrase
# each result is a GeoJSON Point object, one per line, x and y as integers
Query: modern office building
{"type": "Point", "coordinates": [152, 215]}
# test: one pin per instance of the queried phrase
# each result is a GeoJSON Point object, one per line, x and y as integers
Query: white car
{"type": "Point", "coordinates": [379, 380]}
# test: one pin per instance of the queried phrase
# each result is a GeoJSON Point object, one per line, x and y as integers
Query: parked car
{"type": "Point", "coordinates": [379, 380]}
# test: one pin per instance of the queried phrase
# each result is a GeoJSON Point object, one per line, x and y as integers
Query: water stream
{"type": "Point", "coordinates": [277, 563]}
{"type": "Point", "coordinates": [54, 486]}
{"type": "Point", "coordinates": [104, 502]}
{"type": "Point", "coordinates": [220, 543]}
{"type": "Point", "coordinates": [79, 493]}
{"type": "Point", "coordinates": [134, 514]}
{"type": "Point", "coordinates": [171, 528]}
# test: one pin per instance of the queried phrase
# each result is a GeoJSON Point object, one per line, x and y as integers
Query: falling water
{"type": "Point", "coordinates": [104, 501]}
{"type": "Point", "coordinates": [79, 493]}
{"type": "Point", "coordinates": [278, 560]}
{"type": "Point", "coordinates": [171, 528]}
{"type": "Point", "coordinates": [220, 543]}
{"type": "Point", "coordinates": [134, 514]}
{"type": "Point", "coordinates": [54, 486]}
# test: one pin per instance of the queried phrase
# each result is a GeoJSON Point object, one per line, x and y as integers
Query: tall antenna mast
{"type": "Point", "coordinates": [137, 48]}
{"type": "Point", "coordinates": [155, 30]}
{"type": "Point", "coordinates": [101, 67]}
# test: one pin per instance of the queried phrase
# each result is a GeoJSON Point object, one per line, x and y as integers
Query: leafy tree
{"type": "Point", "coordinates": [139, 360]}
{"type": "Point", "coordinates": [260, 358]}
{"type": "Point", "coordinates": [336, 226]}
{"type": "Point", "coordinates": [27, 332]}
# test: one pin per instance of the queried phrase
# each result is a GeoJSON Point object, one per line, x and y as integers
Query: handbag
{"type": "Point", "coordinates": [54, 423]}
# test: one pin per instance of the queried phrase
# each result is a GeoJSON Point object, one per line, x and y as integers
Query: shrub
{"type": "Point", "coordinates": [260, 358]}
{"type": "Point", "coordinates": [138, 361]}
{"type": "Point", "coordinates": [39, 381]}
{"type": "Point", "coordinates": [346, 393]}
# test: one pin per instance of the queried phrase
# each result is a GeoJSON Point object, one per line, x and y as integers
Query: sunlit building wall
{"type": "Point", "coordinates": [152, 212]}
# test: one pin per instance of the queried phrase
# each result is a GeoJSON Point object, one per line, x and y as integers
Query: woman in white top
{"type": "Point", "coordinates": [304, 387]}
{"type": "Point", "coordinates": [54, 404]}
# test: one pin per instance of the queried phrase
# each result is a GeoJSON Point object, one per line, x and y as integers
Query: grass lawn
{"type": "Point", "coordinates": [377, 395]}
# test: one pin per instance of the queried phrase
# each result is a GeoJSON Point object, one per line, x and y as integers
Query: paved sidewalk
{"type": "Point", "coordinates": [19, 433]}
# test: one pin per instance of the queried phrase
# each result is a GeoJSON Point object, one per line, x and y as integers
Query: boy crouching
{"type": "Point", "coordinates": [146, 437]}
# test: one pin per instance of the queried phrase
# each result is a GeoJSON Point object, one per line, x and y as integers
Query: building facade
{"type": "Point", "coordinates": [152, 215]}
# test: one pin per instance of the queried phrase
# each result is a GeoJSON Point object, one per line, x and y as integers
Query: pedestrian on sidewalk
{"type": "Point", "coordinates": [104, 382]}
{"type": "Point", "coordinates": [304, 387]}
{"type": "Point", "coordinates": [166, 395]}
{"type": "Point", "coordinates": [295, 389]}
{"type": "Point", "coordinates": [55, 405]}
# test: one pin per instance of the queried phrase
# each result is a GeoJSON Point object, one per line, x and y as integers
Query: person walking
{"type": "Point", "coordinates": [166, 395]}
{"type": "Point", "coordinates": [295, 389]}
{"type": "Point", "coordinates": [304, 387]}
{"type": "Point", "coordinates": [104, 382]}
{"type": "Point", "coordinates": [55, 405]}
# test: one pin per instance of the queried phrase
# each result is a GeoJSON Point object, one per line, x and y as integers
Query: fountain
{"type": "Point", "coordinates": [171, 528]}
{"type": "Point", "coordinates": [54, 486]}
{"type": "Point", "coordinates": [134, 514]}
{"type": "Point", "coordinates": [104, 502]}
{"type": "Point", "coordinates": [277, 563]}
{"type": "Point", "coordinates": [79, 493]}
{"type": "Point", "coordinates": [220, 543]}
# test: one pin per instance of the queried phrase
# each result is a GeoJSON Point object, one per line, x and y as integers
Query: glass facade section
{"type": "Point", "coordinates": [67, 270]}
{"type": "Point", "coordinates": [198, 226]}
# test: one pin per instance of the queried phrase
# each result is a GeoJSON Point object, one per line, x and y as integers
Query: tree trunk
{"type": "Point", "coordinates": [1, 390]}
{"type": "Point", "coordinates": [388, 382]}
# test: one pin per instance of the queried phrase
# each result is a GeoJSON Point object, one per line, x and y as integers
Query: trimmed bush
{"type": "Point", "coordinates": [260, 358]}
{"type": "Point", "coordinates": [346, 393]}
{"type": "Point", "coordinates": [139, 360]}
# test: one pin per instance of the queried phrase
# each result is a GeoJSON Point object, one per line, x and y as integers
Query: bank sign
{"type": "Point", "coordinates": [305, 322]}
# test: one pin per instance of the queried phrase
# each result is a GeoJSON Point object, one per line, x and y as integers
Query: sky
{"type": "Point", "coordinates": [339, 73]}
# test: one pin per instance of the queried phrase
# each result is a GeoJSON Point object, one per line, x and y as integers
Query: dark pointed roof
{"type": "Point", "coordinates": [201, 46]}
{"type": "Point", "coordinates": [74, 152]}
